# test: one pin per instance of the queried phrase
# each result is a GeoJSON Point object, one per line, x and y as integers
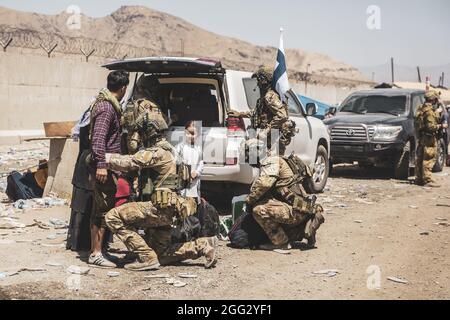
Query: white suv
{"type": "Point", "coordinates": [201, 90]}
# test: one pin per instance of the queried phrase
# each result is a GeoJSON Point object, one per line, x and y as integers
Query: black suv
{"type": "Point", "coordinates": [376, 127]}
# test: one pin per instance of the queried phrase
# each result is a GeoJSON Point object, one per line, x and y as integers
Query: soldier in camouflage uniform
{"type": "Point", "coordinates": [279, 202]}
{"type": "Point", "coordinates": [427, 126]}
{"type": "Point", "coordinates": [270, 112]}
{"type": "Point", "coordinates": [156, 217]}
{"type": "Point", "coordinates": [145, 100]}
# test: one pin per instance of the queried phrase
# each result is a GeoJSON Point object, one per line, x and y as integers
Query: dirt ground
{"type": "Point", "coordinates": [376, 228]}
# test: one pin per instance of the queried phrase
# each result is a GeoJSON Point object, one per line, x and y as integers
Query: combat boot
{"type": "Point", "coordinates": [143, 264]}
{"type": "Point", "coordinates": [210, 252]}
{"type": "Point", "coordinates": [432, 184]}
{"type": "Point", "coordinates": [311, 229]}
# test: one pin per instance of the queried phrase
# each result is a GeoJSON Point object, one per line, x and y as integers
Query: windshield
{"type": "Point", "coordinates": [395, 105]}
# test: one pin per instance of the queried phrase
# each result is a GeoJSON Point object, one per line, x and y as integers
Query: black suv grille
{"type": "Point", "coordinates": [349, 133]}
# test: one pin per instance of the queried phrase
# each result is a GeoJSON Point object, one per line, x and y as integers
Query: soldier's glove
{"type": "Point", "coordinates": [234, 114]}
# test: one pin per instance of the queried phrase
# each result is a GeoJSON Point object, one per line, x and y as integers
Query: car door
{"type": "Point", "coordinates": [301, 144]}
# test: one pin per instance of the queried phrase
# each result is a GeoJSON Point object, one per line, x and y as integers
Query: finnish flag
{"type": "Point", "coordinates": [280, 77]}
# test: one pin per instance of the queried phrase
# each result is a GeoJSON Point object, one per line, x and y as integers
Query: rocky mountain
{"type": "Point", "coordinates": [163, 34]}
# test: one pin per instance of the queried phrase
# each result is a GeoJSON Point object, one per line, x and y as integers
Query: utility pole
{"type": "Point", "coordinates": [418, 74]}
{"type": "Point", "coordinates": [392, 70]}
{"type": "Point", "coordinates": [443, 77]}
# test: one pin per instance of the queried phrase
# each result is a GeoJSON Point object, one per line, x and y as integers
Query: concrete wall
{"type": "Point", "coordinates": [36, 89]}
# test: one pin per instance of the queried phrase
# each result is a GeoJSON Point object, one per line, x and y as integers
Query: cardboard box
{"type": "Point", "coordinates": [59, 129]}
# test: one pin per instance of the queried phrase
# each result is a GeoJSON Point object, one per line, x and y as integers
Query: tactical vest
{"type": "Point", "coordinates": [150, 180]}
{"type": "Point", "coordinates": [291, 190]}
{"type": "Point", "coordinates": [260, 117]}
{"type": "Point", "coordinates": [419, 121]}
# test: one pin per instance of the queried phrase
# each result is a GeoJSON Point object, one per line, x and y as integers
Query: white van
{"type": "Point", "coordinates": [202, 90]}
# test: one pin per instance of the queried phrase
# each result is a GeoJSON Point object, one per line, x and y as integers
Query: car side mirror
{"type": "Point", "coordinates": [311, 109]}
{"type": "Point", "coordinates": [332, 111]}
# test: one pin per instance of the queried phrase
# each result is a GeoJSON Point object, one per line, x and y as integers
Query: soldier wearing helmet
{"type": "Point", "coordinates": [145, 99]}
{"type": "Point", "coordinates": [278, 201]}
{"type": "Point", "coordinates": [162, 204]}
{"type": "Point", "coordinates": [270, 112]}
{"type": "Point", "coordinates": [427, 126]}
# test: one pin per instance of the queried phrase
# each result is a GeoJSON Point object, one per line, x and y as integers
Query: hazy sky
{"type": "Point", "coordinates": [415, 32]}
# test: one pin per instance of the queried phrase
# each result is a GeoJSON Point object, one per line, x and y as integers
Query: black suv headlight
{"type": "Point", "coordinates": [386, 133]}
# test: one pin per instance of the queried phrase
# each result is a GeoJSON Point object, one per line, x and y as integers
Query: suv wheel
{"type": "Point", "coordinates": [441, 157]}
{"type": "Point", "coordinates": [401, 165]}
{"type": "Point", "coordinates": [321, 171]}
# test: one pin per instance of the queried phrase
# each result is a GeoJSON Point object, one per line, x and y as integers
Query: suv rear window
{"type": "Point", "coordinates": [395, 105]}
{"type": "Point", "coordinates": [191, 101]}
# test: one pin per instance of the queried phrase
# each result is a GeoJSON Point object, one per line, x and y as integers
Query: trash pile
{"type": "Point", "coordinates": [21, 155]}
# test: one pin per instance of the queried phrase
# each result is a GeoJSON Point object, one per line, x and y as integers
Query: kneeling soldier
{"type": "Point", "coordinates": [156, 216]}
{"type": "Point", "coordinates": [278, 200]}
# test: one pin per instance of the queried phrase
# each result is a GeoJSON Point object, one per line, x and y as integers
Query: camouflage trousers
{"type": "Point", "coordinates": [126, 220]}
{"type": "Point", "coordinates": [425, 159]}
{"type": "Point", "coordinates": [272, 215]}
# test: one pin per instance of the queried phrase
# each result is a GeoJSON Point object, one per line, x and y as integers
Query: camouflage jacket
{"type": "Point", "coordinates": [276, 180]}
{"type": "Point", "coordinates": [270, 112]}
{"type": "Point", "coordinates": [426, 121]}
{"type": "Point", "coordinates": [160, 158]}
{"type": "Point", "coordinates": [133, 110]}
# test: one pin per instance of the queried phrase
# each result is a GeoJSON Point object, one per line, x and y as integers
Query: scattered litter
{"type": "Point", "coordinates": [329, 273]}
{"type": "Point", "coordinates": [179, 284]}
{"type": "Point", "coordinates": [357, 221]}
{"type": "Point", "coordinates": [58, 223]}
{"type": "Point", "coordinates": [15, 273]}
{"type": "Point", "coordinates": [24, 241]}
{"type": "Point", "coordinates": [414, 207]}
{"type": "Point", "coordinates": [398, 280]}
{"type": "Point", "coordinates": [3, 275]}
{"type": "Point", "coordinates": [6, 241]}
{"type": "Point", "coordinates": [280, 251]}
{"type": "Point", "coordinates": [443, 205]}
{"type": "Point", "coordinates": [425, 233]}
{"type": "Point", "coordinates": [442, 223]}
{"type": "Point", "coordinates": [39, 203]}
{"type": "Point", "coordinates": [441, 219]}
{"type": "Point", "coordinates": [175, 283]}
{"type": "Point", "coordinates": [157, 276]}
{"type": "Point", "coordinates": [113, 274]}
{"type": "Point", "coordinates": [52, 236]}
{"type": "Point", "coordinates": [78, 270]}
{"type": "Point", "coordinates": [187, 275]}
{"type": "Point", "coordinates": [10, 224]}
{"type": "Point", "coordinates": [53, 264]}
{"type": "Point", "coordinates": [364, 201]}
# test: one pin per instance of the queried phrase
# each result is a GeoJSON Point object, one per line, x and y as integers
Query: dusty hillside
{"type": "Point", "coordinates": [136, 31]}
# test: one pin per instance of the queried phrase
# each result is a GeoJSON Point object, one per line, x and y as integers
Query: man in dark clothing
{"type": "Point", "coordinates": [106, 118]}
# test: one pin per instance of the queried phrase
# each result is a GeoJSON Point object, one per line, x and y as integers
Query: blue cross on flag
{"type": "Point", "coordinates": [280, 77]}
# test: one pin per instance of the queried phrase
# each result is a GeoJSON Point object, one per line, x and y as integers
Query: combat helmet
{"type": "Point", "coordinates": [431, 95]}
{"type": "Point", "coordinates": [147, 87]}
{"type": "Point", "coordinates": [264, 75]}
{"type": "Point", "coordinates": [150, 125]}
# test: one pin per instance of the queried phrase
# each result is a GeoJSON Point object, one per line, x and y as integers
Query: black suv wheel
{"type": "Point", "coordinates": [440, 157]}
